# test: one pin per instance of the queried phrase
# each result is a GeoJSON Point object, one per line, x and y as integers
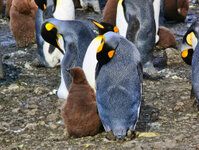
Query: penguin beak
{"type": "Point", "coordinates": [96, 23]}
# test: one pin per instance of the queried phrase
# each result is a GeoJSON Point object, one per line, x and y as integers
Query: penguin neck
{"type": "Point", "coordinates": [64, 10]}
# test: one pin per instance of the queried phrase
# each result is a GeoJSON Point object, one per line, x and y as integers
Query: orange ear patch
{"type": "Point", "coordinates": [184, 54]}
{"type": "Point", "coordinates": [44, 6]}
{"type": "Point", "coordinates": [189, 38]}
{"type": "Point", "coordinates": [115, 29]}
{"type": "Point", "coordinates": [111, 53]}
{"type": "Point", "coordinates": [49, 26]}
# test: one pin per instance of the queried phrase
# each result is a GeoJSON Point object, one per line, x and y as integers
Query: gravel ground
{"type": "Point", "coordinates": [30, 110]}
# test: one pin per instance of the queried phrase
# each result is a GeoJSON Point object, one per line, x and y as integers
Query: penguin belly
{"type": "Point", "coordinates": [90, 61]}
{"type": "Point", "coordinates": [121, 22]}
{"type": "Point", "coordinates": [156, 6]}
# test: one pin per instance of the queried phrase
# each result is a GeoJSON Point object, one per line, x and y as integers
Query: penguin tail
{"type": "Point", "coordinates": [119, 133]}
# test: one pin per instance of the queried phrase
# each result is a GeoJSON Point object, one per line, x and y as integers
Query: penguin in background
{"type": "Point", "coordinates": [135, 20]}
{"type": "Point", "coordinates": [48, 55]}
{"type": "Point", "coordinates": [72, 38]}
{"type": "Point", "coordinates": [79, 110]}
{"type": "Point", "coordinates": [191, 57]}
{"type": "Point", "coordinates": [189, 42]}
{"type": "Point", "coordinates": [119, 84]}
{"type": "Point", "coordinates": [1, 8]}
{"type": "Point", "coordinates": [1, 68]}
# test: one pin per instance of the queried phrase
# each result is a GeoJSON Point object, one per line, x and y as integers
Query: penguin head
{"type": "Point", "coordinates": [49, 33]}
{"type": "Point", "coordinates": [190, 40]}
{"type": "Point", "coordinates": [107, 48]}
{"type": "Point", "coordinates": [187, 55]}
{"type": "Point", "coordinates": [42, 4]}
{"type": "Point", "coordinates": [78, 75]}
{"type": "Point", "coordinates": [104, 27]}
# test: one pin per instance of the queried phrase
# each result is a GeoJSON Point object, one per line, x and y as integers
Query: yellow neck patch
{"type": "Point", "coordinates": [120, 2]}
{"type": "Point", "coordinates": [189, 38]}
{"type": "Point", "coordinates": [111, 53]}
{"type": "Point", "coordinates": [185, 53]}
{"type": "Point", "coordinates": [58, 2]}
{"type": "Point", "coordinates": [102, 38]}
{"type": "Point", "coordinates": [49, 26]}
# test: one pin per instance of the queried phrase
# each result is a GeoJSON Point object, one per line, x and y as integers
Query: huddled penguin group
{"type": "Point", "coordinates": [102, 74]}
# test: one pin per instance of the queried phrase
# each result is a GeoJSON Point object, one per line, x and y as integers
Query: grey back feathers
{"type": "Point", "coordinates": [119, 87]}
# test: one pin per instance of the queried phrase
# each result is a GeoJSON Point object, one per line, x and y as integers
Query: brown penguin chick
{"type": "Point", "coordinates": [77, 3]}
{"type": "Point", "coordinates": [166, 38]}
{"type": "Point", "coordinates": [1, 8]}
{"type": "Point", "coordinates": [8, 6]}
{"type": "Point", "coordinates": [176, 10]}
{"type": "Point", "coordinates": [79, 111]}
{"type": "Point", "coordinates": [110, 12]}
{"type": "Point", "coordinates": [22, 21]}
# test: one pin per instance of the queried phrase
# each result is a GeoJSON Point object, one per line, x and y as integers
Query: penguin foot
{"type": "Point", "coordinates": [110, 136]}
{"type": "Point", "coordinates": [196, 105]}
{"type": "Point", "coordinates": [130, 135]}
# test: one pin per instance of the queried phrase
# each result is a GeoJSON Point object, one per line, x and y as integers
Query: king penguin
{"type": "Point", "coordinates": [48, 55]}
{"type": "Point", "coordinates": [136, 17]}
{"type": "Point", "coordinates": [119, 84]}
{"type": "Point", "coordinates": [189, 42]}
{"type": "Point", "coordinates": [72, 38]}
{"type": "Point", "coordinates": [191, 57]}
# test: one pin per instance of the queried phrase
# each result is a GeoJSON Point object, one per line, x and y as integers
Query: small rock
{"type": "Point", "coordinates": [42, 123]}
{"type": "Point", "coordinates": [33, 106]}
{"type": "Point", "coordinates": [180, 104]}
{"type": "Point", "coordinates": [1, 107]}
{"type": "Point", "coordinates": [27, 66]}
{"type": "Point", "coordinates": [177, 108]}
{"type": "Point", "coordinates": [173, 56]}
{"type": "Point", "coordinates": [179, 138]}
{"type": "Point", "coordinates": [16, 110]}
{"type": "Point", "coordinates": [31, 126]}
{"type": "Point", "coordinates": [13, 87]}
{"type": "Point", "coordinates": [52, 117]}
{"type": "Point", "coordinates": [32, 112]}
{"type": "Point", "coordinates": [41, 90]}
{"type": "Point", "coordinates": [53, 126]}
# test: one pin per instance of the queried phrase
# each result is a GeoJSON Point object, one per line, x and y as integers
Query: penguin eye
{"type": "Point", "coordinates": [111, 53]}
{"type": "Point", "coordinates": [189, 38]}
{"type": "Point", "coordinates": [49, 26]}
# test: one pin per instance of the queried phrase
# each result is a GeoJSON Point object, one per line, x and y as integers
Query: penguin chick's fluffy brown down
{"type": "Point", "coordinates": [1, 8]}
{"type": "Point", "coordinates": [167, 38]}
{"type": "Point", "coordinates": [8, 6]}
{"type": "Point", "coordinates": [22, 21]}
{"type": "Point", "coordinates": [79, 111]}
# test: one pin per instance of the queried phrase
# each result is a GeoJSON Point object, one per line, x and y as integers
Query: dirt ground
{"type": "Point", "coordinates": [30, 110]}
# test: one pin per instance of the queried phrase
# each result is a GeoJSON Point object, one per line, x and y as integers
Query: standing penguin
{"type": "Point", "coordinates": [191, 57]}
{"type": "Point", "coordinates": [48, 55]}
{"type": "Point", "coordinates": [73, 37]}
{"type": "Point", "coordinates": [135, 20]}
{"type": "Point", "coordinates": [119, 83]}
{"type": "Point", "coordinates": [189, 42]}
{"type": "Point", "coordinates": [79, 111]}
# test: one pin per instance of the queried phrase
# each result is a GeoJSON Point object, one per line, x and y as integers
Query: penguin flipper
{"type": "Point", "coordinates": [69, 61]}
{"type": "Point", "coordinates": [133, 27]}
